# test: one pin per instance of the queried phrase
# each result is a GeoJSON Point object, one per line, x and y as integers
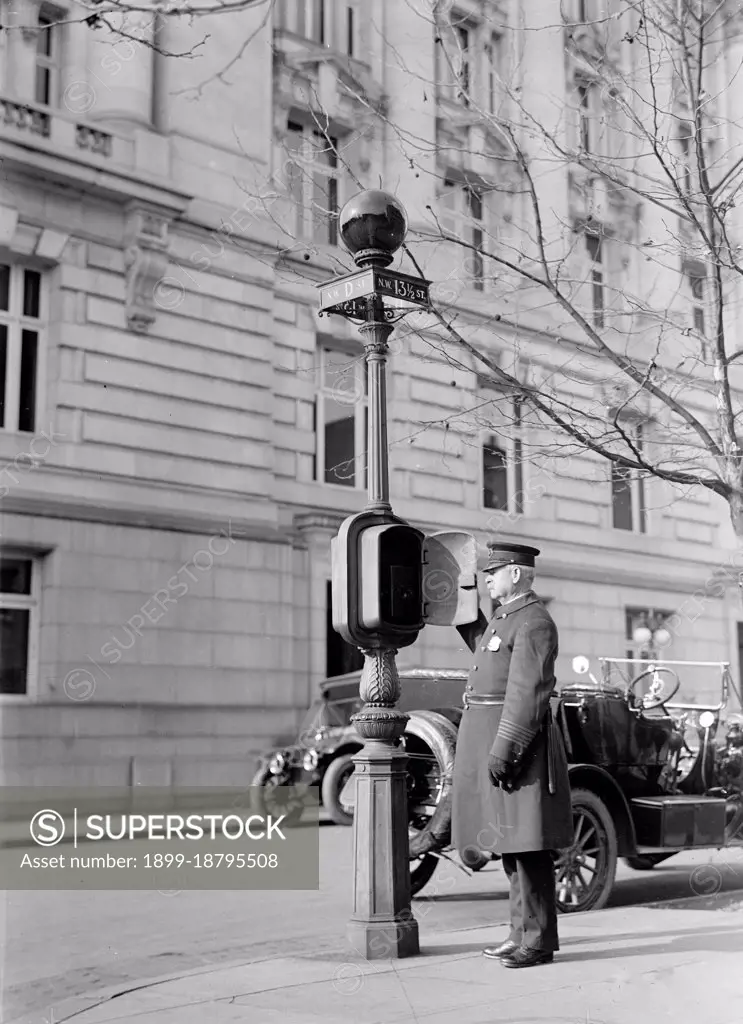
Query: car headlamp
{"type": "Point", "coordinates": [277, 764]}
{"type": "Point", "coordinates": [707, 719]}
{"type": "Point", "coordinates": [309, 761]}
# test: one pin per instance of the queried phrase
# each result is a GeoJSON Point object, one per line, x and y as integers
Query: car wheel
{"type": "Point", "coordinates": [334, 779]}
{"type": "Point", "coordinates": [585, 871]}
{"type": "Point", "coordinates": [646, 861]}
{"type": "Point", "coordinates": [430, 742]}
{"type": "Point", "coordinates": [421, 872]}
{"type": "Point", "coordinates": [273, 795]}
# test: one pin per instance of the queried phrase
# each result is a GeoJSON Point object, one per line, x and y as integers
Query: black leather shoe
{"type": "Point", "coordinates": [497, 952]}
{"type": "Point", "coordinates": [524, 957]}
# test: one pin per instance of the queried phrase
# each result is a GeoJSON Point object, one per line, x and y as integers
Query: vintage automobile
{"type": "Point", "coordinates": [322, 754]}
{"type": "Point", "coordinates": [649, 775]}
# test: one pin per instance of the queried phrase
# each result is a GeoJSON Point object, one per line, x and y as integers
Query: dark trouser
{"type": "Point", "coordinates": [532, 900]}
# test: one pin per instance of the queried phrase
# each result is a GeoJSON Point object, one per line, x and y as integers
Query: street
{"type": "Point", "coordinates": [61, 944]}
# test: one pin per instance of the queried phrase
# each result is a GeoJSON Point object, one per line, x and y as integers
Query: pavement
{"type": "Point", "coordinates": [679, 961]}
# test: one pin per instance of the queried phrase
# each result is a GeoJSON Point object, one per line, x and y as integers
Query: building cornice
{"type": "Point", "coordinates": [142, 517]}
{"type": "Point", "coordinates": [42, 162]}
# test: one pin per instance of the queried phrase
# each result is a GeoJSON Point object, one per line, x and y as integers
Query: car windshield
{"type": "Point", "coordinates": [329, 714]}
{"type": "Point", "coordinates": [694, 682]}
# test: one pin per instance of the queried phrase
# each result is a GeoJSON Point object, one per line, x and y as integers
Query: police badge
{"type": "Point", "coordinates": [494, 643]}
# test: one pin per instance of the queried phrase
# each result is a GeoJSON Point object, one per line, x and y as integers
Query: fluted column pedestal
{"type": "Point", "coordinates": [382, 925]}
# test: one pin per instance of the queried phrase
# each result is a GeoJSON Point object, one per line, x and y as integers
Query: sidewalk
{"type": "Point", "coordinates": [636, 965]}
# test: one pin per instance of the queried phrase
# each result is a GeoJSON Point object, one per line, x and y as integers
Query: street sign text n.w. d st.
{"type": "Point", "coordinates": [412, 290]}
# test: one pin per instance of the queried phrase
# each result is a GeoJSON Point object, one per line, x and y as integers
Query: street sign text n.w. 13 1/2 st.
{"type": "Point", "coordinates": [413, 290]}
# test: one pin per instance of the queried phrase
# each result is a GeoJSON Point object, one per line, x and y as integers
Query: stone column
{"type": "Point", "coordinates": [21, 43]}
{"type": "Point", "coordinates": [731, 99]}
{"type": "Point", "coordinates": [543, 89]}
{"type": "Point", "coordinates": [409, 78]}
{"type": "Point", "coordinates": [76, 94]}
{"type": "Point", "coordinates": [120, 72]}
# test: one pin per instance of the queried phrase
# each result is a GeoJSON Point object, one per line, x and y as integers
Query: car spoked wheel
{"type": "Point", "coordinates": [585, 871]}
{"type": "Point", "coordinates": [429, 741]}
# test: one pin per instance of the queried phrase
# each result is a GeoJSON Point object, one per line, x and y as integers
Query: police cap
{"type": "Point", "coordinates": [509, 554]}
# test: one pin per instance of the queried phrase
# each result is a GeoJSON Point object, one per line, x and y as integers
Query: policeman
{"type": "Point", "coordinates": [511, 790]}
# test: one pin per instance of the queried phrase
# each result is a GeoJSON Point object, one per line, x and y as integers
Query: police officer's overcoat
{"type": "Point", "coordinates": [514, 660]}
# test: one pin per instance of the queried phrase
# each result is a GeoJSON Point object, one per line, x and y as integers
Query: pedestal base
{"type": "Point", "coordinates": [384, 940]}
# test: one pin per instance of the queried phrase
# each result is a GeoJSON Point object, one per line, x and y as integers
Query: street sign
{"type": "Point", "coordinates": [410, 290]}
{"type": "Point", "coordinates": [401, 286]}
{"type": "Point", "coordinates": [345, 289]}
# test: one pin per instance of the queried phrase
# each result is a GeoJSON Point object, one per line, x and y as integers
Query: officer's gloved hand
{"type": "Point", "coordinates": [499, 771]}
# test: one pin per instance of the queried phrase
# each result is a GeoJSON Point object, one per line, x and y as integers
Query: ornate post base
{"type": "Point", "coordinates": [382, 925]}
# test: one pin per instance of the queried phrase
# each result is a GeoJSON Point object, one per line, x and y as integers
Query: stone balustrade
{"type": "Point", "coordinates": [61, 131]}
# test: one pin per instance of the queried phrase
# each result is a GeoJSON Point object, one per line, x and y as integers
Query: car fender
{"type": "Point", "coordinates": [605, 786]}
{"type": "Point", "coordinates": [348, 746]}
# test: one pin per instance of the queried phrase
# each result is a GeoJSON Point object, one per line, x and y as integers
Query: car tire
{"type": "Point", "coordinates": [646, 861]}
{"type": "Point", "coordinates": [334, 779]}
{"type": "Point", "coordinates": [430, 737]}
{"type": "Point", "coordinates": [262, 785]}
{"type": "Point", "coordinates": [593, 830]}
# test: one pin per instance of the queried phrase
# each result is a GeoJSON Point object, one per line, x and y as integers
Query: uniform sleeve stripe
{"type": "Point", "coordinates": [513, 731]}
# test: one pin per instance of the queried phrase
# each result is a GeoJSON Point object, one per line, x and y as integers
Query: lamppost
{"type": "Point", "coordinates": [372, 226]}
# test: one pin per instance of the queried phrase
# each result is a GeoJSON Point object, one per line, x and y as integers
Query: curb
{"type": "Point", "coordinates": [76, 1005]}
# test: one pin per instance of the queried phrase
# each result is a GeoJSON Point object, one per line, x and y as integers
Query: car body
{"type": "Point", "coordinates": [650, 776]}
{"type": "Point", "coordinates": [328, 738]}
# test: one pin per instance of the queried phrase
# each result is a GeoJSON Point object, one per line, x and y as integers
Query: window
{"type": "Point", "coordinates": [646, 634]}
{"type": "Point", "coordinates": [590, 118]}
{"type": "Point", "coordinates": [326, 22]}
{"type": "Point", "coordinates": [20, 329]}
{"type": "Point", "coordinates": [629, 511]}
{"type": "Point", "coordinates": [47, 70]}
{"type": "Point", "coordinates": [493, 62]}
{"type": "Point", "coordinates": [588, 22]}
{"type": "Point", "coordinates": [341, 419]}
{"type": "Point", "coordinates": [463, 215]}
{"type": "Point", "coordinates": [462, 64]}
{"type": "Point", "coordinates": [686, 160]}
{"type": "Point", "coordinates": [340, 657]}
{"type": "Point", "coordinates": [595, 247]}
{"type": "Point", "coordinates": [697, 285]}
{"type": "Point", "coordinates": [502, 467]}
{"type": "Point", "coordinates": [587, 11]}
{"type": "Point", "coordinates": [454, 58]}
{"type": "Point", "coordinates": [18, 605]}
{"type": "Point", "coordinates": [313, 176]}
{"type": "Point", "coordinates": [494, 475]}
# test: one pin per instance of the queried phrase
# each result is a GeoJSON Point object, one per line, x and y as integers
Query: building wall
{"type": "Point", "coordinates": [179, 378]}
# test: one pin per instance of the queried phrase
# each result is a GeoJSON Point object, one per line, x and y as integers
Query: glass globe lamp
{"type": "Point", "coordinates": [373, 225]}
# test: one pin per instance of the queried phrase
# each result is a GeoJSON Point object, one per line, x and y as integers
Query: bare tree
{"type": "Point", "coordinates": [636, 275]}
{"type": "Point", "coordinates": [652, 154]}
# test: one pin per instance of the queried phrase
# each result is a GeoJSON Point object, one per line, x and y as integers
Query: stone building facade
{"type": "Point", "coordinates": [182, 434]}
